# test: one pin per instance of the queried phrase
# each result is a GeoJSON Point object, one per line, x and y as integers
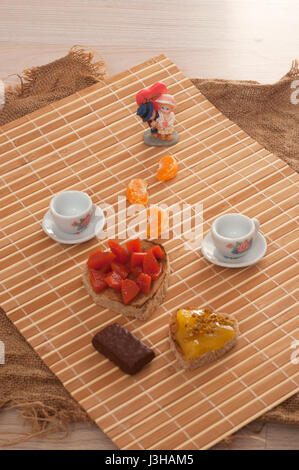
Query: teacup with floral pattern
{"type": "Point", "coordinates": [71, 211]}
{"type": "Point", "coordinates": [233, 234]}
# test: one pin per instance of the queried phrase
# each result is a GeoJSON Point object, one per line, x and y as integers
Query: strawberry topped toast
{"type": "Point", "coordinates": [132, 280]}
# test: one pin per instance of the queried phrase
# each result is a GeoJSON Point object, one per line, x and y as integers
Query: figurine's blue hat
{"type": "Point", "coordinates": [145, 110]}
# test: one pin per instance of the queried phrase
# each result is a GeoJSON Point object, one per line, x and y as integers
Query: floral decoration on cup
{"type": "Point", "coordinates": [239, 247]}
{"type": "Point", "coordinates": [82, 224]}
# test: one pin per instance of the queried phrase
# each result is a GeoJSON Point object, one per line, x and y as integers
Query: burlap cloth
{"type": "Point", "coordinates": [265, 112]}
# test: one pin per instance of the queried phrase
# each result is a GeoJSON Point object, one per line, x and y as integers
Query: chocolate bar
{"type": "Point", "coordinates": [122, 348]}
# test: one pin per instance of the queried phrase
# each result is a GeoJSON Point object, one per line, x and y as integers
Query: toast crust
{"type": "Point", "coordinates": [144, 305]}
{"type": "Point", "coordinates": [205, 358]}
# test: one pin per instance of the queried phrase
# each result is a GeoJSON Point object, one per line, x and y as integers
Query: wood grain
{"type": "Point", "coordinates": [232, 39]}
{"type": "Point", "coordinates": [92, 141]}
{"type": "Point", "coordinates": [89, 437]}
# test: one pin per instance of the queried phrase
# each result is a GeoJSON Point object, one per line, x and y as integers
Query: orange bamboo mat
{"type": "Point", "coordinates": [92, 141]}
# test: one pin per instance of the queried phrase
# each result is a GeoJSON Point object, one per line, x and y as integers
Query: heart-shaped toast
{"type": "Point", "coordinates": [144, 304]}
{"type": "Point", "coordinates": [199, 336]}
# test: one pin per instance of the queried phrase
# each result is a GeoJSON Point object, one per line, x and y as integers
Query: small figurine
{"type": "Point", "coordinates": [148, 114]}
{"type": "Point", "coordinates": [166, 118]}
{"type": "Point", "coordinates": [155, 107]}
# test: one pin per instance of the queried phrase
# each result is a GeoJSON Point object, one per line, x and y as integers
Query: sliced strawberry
{"type": "Point", "coordinates": [121, 269]}
{"type": "Point", "coordinates": [106, 268]}
{"type": "Point", "coordinates": [136, 270]}
{"type": "Point", "coordinates": [156, 275]}
{"type": "Point", "coordinates": [144, 282]}
{"type": "Point", "coordinates": [129, 290]}
{"type": "Point", "coordinates": [150, 264]}
{"type": "Point", "coordinates": [134, 246]}
{"type": "Point", "coordinates": [98, 259]}
{"type": "Point", "coordinates": [97, 279]}
{"type": "Point", "coordinates": [158, 252]}
{"type": "Point", "coordinates": [137, 259]}
{"type": "Point", "coordinates": [114, 280]}
{"type": "Point", "coordinates": [120, 253]}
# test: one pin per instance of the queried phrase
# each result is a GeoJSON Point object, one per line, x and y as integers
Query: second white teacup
{"type": "Point", "coordinates": [71, 211]}
{"type": "Point", "coordinates": [233, 234]}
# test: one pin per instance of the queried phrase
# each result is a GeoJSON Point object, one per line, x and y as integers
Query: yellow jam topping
{"type": "Point", "coordinates": [201, 331]}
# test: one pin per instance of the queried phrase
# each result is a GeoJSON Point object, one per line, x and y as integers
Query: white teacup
{"type": "Point", "coordinates": [233, 234]}
{"type": "Point", "coordinates": [71, 211]}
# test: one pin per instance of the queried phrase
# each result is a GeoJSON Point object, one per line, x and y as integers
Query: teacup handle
{"type": "Point", "coordinates": [257, 227]}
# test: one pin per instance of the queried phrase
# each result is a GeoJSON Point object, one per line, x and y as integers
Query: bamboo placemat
{"type": "Point", "coordinates": [92, 141]}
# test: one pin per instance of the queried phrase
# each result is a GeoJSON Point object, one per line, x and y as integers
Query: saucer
{"type": "Point", "coordinates": [95, 225]}
{"type": "Point", "coordinates": [255, 253]}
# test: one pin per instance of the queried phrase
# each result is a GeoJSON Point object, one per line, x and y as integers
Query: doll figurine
{"type": "Point", "coordinates": [155, 107]}
{"type": "Point", "coordinates": [148, 114]}
{"type": "Point", "coordinates": [166, 118]}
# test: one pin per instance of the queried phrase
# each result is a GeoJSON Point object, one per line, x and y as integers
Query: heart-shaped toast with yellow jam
{"type": "Point", "coordinates": [200, 336]}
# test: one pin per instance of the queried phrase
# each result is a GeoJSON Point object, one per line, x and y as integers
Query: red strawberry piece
{"type": "Point", "coordinates": [134, 246]}
{"type": "Point", "coordinates": [156, 275]}
{"type": "Point", "coordinates": [150, 264]}
{"type": "Point", "coordinates": [114, 280]}
{"type": "Point", "coordinates": [105, 269]}
{"type": "Point", "coordinates": [137, 259]}
{"type": "Point", "coordinates": [120, 253]}
{"type": "Point", "coordinates": [129, 290]}
{"type": "Point", "coordinates": [99, 258]}
{"type": "Point", "coordinates": [121, 269]}
{"type": "Point", "coordinates": [158, 252]}
{"type": "Point", "coordinates": [144, 282]}
{"type": "Point", "coordinates": [136, 270]}
{"type": "Point", "coordinates": [97, 279]}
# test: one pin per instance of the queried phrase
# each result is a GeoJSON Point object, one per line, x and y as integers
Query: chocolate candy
{"type": "Point", "coordinates": [122, 348]}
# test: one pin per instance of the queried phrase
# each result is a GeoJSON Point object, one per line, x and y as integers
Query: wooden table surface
{"type": "Point", "coordinates": [233, 39]}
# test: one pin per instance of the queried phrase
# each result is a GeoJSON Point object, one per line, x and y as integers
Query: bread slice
{"type": "Point", "coordinates": [207, 357]}
{"type": "Point", "coordinates": [144, 305]}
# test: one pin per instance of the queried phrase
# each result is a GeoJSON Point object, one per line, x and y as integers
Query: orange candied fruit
{"type": "Point", "coordinates": [157, 221]}
{"type": "Point", "coordinates": [168, 168]}
{"type": "Point", "coordinates": [137, 191]}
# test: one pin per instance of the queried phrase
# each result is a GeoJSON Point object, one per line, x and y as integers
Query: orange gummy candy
{"type": "Point", "coordinates": [137, 192]}
{"type": "Point", "coordinates": [157, 221]}
{"type": "Point", "coordinates": [168, 168]}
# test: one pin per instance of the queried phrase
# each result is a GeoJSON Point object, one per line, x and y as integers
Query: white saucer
{"type": "Point", "coordinates": [255, 253]}
{"type": "Point", "coordinates": [95, 225]}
